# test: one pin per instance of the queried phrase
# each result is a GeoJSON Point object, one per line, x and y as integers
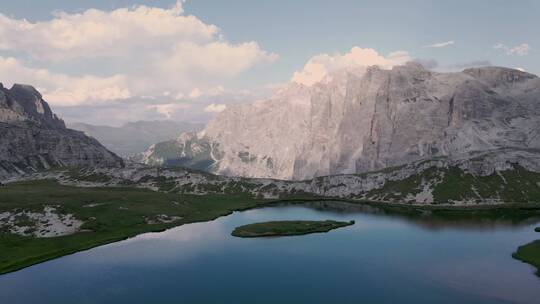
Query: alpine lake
{"type": "Point", "coordinates": [385, 257]}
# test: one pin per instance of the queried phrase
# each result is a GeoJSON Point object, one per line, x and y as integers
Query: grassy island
{"type": "Point", "coordinates": [286, 228]}
{"type": "Point", "coordinates": [537, 229]}
{"type": "Point", "coordinates": [529, 253]}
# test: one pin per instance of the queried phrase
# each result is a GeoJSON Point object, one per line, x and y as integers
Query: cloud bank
{"type": "Point", "coordinates": [519, 50]}
{"type": "Point", "coordinates": [126, 53]}
{"type": "Point", "coordinates": [320, 66]}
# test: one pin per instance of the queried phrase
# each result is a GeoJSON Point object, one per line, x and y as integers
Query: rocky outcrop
{"type": "Point", "coordinates": [187, 151]}
{"type": "Point", "coordinates": [32, 137]}
{"type": "Point", "coordinates": [360, 122]}
{"type": "Point", "coordinates": [489, 178]}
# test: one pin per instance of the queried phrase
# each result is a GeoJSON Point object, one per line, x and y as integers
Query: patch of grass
{"type": "Point", "coordinates": [518, 185]}
{"type": "Point", "coordinates": [83, 175]}
{"type": "Point", "coordinates": [23, 220]}
{"type": "Point", "coordinates": [453, 184]}
{"type": "Point", "coordinates": [537, 229]}
{"type": "Point", "coordinates": [530, 254]}
{"type": "Point", "coordinates": [118, 213]}
{"type": "Point", "coordinates": [398, 190]}
{"type": "Point", "coordinates": [286, 228]}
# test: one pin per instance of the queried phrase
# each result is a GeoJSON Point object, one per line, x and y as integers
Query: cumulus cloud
{"type": "Point", "coordinates": [65, 90]}
{"type": "Point", "coordinates": [215, 108]}
{"type": "Point", "coordinates": [440, 44]}
{"type": "Point", "coordinates": [168, 109]}
{"type": "Point", "coordinates": [520, 50]}
{"type": "Point", "coordinates": [319, 66]}
{"type": "Point", "coordinates": [155, 108]}
{"type": "Point", "coordinates": [96, 33]}
{"type": "Point", "coordinates": [127, 52]}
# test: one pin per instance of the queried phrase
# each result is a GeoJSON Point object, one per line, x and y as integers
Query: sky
{"type": "Point", "coordinates": [110, 62]}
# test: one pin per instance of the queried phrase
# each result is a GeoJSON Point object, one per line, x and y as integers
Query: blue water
{"type": "Point", "coordinates": [380, 259]}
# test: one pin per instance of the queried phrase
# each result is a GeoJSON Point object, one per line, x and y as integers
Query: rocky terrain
{"type": "Point", "coordinates": [490, 178]}
{"type": "Point", "coordinates": [369, 120]}
{"type": "Point", "coordinates": [406, 135]}
{"type": "Point", "coordinates": [135, 137]}
{"type": "Point", "coordinates": [33, 138]}
{"type": "Point", "coordinates": [46, 223]}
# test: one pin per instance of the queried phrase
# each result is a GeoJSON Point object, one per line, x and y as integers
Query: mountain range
{"type": "Point", "coordinates": [406, 135]}
{"type": "Point", "coordinates": [135, 137]}
{"type": "Point", "coordinates": [365, 120]}
{"type": "Point", "coordinates": [33, 138]}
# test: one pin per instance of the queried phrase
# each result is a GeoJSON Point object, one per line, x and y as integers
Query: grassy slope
{"type": "Point", "coordinates": [121, 213]}
{"type": "Point", "coordinates": [284, 228]}
{"type": "Point", "coordinates": [518, 185]}
{"type": "Point", "coordinates": [529, 253]}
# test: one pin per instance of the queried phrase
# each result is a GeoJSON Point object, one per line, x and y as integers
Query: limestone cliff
{"type": "Point", "coordinates": [360, 122]}
{"type": "Point", "coordinates": [32, 137]}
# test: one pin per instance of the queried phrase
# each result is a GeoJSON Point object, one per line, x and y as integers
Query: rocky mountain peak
{"type": "Point", "coordinates": [499, 76]}
{"type": "Point", "coordinates": [383, 118]}
{"type": "Point", "coordinates": [32, 137]}
{"type": "Point", "coordinates": [411, 67]}
{"type": "Point", "coordinates": [24, 103]}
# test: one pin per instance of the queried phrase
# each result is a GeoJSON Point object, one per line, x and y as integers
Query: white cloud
{"type": "Point", "coordinates": [215, 108]}
{"type": "Point", "coordinates": [136, 51]}
{"type": "Point", "coordinates": [168, 109]}
{"type": "Point", "coordinates": [102, 33]}
{"type": "Point", "coordinates": [195, 93]}
{"type": "Point", "coordinates": [319, 66]}
{"type": "Point", "coordinates": [440, 44]}
{"type": "Point", "coordinates": [63, 89]}
{"type": "Point", "coordinates": [520, 50]}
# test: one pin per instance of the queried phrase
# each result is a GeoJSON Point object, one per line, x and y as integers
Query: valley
{"type": "Point", "coordinates": [112, 205]}
{"type": "Point", "coordinates": [263, 152]}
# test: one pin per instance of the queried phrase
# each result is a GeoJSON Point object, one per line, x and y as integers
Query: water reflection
{"type": "Point", "coordinates": [438, 219]}
{"type": "Point", "coordinates": [388, 256]}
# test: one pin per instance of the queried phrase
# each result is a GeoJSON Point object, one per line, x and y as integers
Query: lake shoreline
{"type": "Point", "coordinates": [255, 204]}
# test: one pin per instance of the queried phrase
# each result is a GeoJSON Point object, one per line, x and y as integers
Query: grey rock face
{"type": "Point", "coordinates": [378, 119]}
{"type": "Point", "coordinates": [32, 137]}
{"type": "Point", "coordinates": [187, 151]}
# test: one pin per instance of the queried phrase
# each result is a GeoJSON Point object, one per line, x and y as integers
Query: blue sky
{"type": "Point", "coordinates": [289, 33]}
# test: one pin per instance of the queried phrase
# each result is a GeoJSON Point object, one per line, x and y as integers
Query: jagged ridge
{"type": "Point", "coordinates": [32, 137]}
{"type": "Point", "coordinates": [375, 120]}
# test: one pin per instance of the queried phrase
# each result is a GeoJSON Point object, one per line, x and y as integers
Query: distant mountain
{"type": "Point", "coordinates": [136, 137]}
{"type": "Point", "coordinates": [367, 120]}
{"type": "Point", "coordinates": [32, 137]}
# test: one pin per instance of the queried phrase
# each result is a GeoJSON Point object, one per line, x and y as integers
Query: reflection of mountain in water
{"type": "Point", "coordinates": [439, 219]}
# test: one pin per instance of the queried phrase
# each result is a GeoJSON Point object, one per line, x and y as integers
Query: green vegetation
{"type": "Point", "coordinates": [453, 184]}
{"type": "Point", "coordinates": [398, 190]}
{"type": "Point", "coordinates": [109, 215]}
{"type": "Point", "coordinates": [537, 229]}
{"type": "Point", "coordinates": [518, 185]}
{"type": "Point", "coordinates": [285, 228]}
{"type": "Point", "coordinates": [529, 253]}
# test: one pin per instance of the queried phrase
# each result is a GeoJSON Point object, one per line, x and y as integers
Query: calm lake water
{"type": "Point", "coordinates": [380, 259]}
